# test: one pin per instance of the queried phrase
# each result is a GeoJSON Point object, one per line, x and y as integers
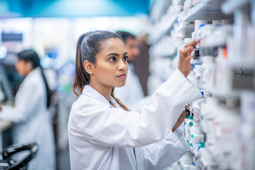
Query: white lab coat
{"type": "Point", "coordinates": [132, 91]}
{"type": "Point", "coordinates": [102, 137]}
{"type": "Point", "coordinates": [32, 120]}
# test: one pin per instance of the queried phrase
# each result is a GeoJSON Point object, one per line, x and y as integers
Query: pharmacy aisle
{"type": "Point", "coordinates": [220, 128]}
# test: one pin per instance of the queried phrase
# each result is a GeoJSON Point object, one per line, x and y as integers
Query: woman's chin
{"type": "Point", "coordinates": [120, 84]}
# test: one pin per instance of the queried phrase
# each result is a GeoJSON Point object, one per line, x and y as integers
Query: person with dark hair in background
{"type": "Point", "coordinates": [30, 114]}
{"type": "Point", "coordinates": [132, 91]}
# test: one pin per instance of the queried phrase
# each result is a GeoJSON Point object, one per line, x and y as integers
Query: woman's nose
{"type": "Point", "coordinates": [123, 65]}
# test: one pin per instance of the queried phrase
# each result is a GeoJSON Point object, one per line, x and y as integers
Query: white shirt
{"type": "Point", "coordinates": [32, 120]}
{"type": "Point", "coordinates": [132, 91]}
{"type": "Point", "coordinates": [102, 137]}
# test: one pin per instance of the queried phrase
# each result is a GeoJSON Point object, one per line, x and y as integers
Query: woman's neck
{"type": "Point", "coordinates": [102, 89]}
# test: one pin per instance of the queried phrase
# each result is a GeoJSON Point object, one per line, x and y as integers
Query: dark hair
{"type": "Point", "coordinates": [88, 46]}
{"type": "Point", "coordinates": [125, 35]}
{"type": "Point", "coordinates": [32, 56]}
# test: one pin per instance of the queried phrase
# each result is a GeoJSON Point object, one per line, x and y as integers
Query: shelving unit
{"type": "Point", "coordinates": [230, 75]}
{"type": "Point", "coordinates": [219, 42]}
{"type": "Point", "coordinates": [162, 29]}
{"type": "Point", "coordinates": [167, 26]}
{"type": "Point", "coordinates": [180, 2]}
{"type": "Point", "coordinates": [185, 28]}
{"type": "Point", "coordinates": [206, 10]}
{"type": "Point", "coordinates": [164, 53]}
{"type": "Point", "coordinates": [230, 6]}
{"type": "Point", "coordinates": [163, 48]}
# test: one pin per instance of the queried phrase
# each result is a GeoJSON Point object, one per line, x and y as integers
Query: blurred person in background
{"type": "Point", "coordinates": [132, 91]}
{"type": "Point", "coordinates": [141, 63]}
{"type": "Point", "coordinates": [30, 114]}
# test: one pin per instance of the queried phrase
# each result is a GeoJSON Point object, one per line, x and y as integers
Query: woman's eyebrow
{"type": "Point", "coordinates": [125, 53]}
{"type": "Point", "coordinates": [112, 54]}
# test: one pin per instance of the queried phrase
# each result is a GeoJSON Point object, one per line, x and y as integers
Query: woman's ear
{"type": "Point", "coordinates": [89, 67]}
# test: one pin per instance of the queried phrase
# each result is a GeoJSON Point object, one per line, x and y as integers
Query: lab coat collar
{"type": "Point", "coordinates": [31, 76]}
{"type": "Point", "coordinates": [92, 93]}
{"type": "Point", "coordinates": [34, 72]}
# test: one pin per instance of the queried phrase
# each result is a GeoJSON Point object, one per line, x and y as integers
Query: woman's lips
{"type": "Point", "coordinates": [123, 76]}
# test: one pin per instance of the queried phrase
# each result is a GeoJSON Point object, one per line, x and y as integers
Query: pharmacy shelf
{"type": "Point", "coordinates": [185, 28]}
{"type": "Point", "coordinates": [164, 48]}
{"type": "Point", "coordinates": [164, 53]}
{"type": "Point", "coordinates": [213, 151]}
{"type": "Point", "coordinates": [162, 29]}
{"type": "Point", "coordinates": [218, 42]}
{"type": "Point", "coordinates": [168, 25]}
{"type": "Point", "coordinates": [192, 150]}
{"type": "Point", "coordinates": [203, 130]}
{"type": "Point", "coordinates": [180, 2]}
{"type": "Point", "coordinates": [206, 10]}
{"type": "Point", "coordinates": [182, 166]}
{"type": "Point", "coordinates": [230, 6]}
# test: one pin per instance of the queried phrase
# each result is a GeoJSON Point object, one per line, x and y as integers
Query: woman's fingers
{"type": "Point", "coordinates": [192, 43]}
{"type": "Point", "coordinates": [189, 58]}
{"type": "Point", "coordinates": [185, 57]}
{"type": "Point", "coordinates": [186, 51]}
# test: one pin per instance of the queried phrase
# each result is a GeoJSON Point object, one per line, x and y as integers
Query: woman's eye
{"type": "Point", "coordinates": [125, 58]}
{"type": "Point", "coordinates": [113, 59]}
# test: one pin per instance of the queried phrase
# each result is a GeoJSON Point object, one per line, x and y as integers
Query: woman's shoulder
{"type": "Point", "coordinates": [34, 78]}
{"type": "Point", "coordinates": [86, 104]}
{"type": "Point", "coordinates": [32, 83]}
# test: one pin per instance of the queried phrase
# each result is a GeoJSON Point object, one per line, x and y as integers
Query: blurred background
{"type": "Point", "coordinates": [223, 70]}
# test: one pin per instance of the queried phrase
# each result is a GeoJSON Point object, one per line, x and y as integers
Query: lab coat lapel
{"type": "Point", "coordinates": [92, 93]}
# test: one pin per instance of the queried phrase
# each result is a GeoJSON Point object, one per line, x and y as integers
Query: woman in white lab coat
{"type": "Point", "coordinates": [30, 115]}
{"type": "Point", "coordinates": [103, 133]}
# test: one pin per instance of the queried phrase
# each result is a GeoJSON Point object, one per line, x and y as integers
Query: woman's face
{"type": "Point", "coordinates": [23, 67]}
{"type": "Point", "coordinates": [111, 65]}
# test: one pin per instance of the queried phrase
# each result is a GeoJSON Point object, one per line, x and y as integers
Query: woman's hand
{"type": "Point", "coordinates": [179, 121]}
{"type": "Point", "coordinates": [185, 55]}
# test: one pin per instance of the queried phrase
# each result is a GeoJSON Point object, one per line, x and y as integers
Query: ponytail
{"type": "Point", "coordinates": [48, 91]}
{"type": "Point", "coordinates": [118, 101]}
{"type": "Point", "coordinates": [80, 78]}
